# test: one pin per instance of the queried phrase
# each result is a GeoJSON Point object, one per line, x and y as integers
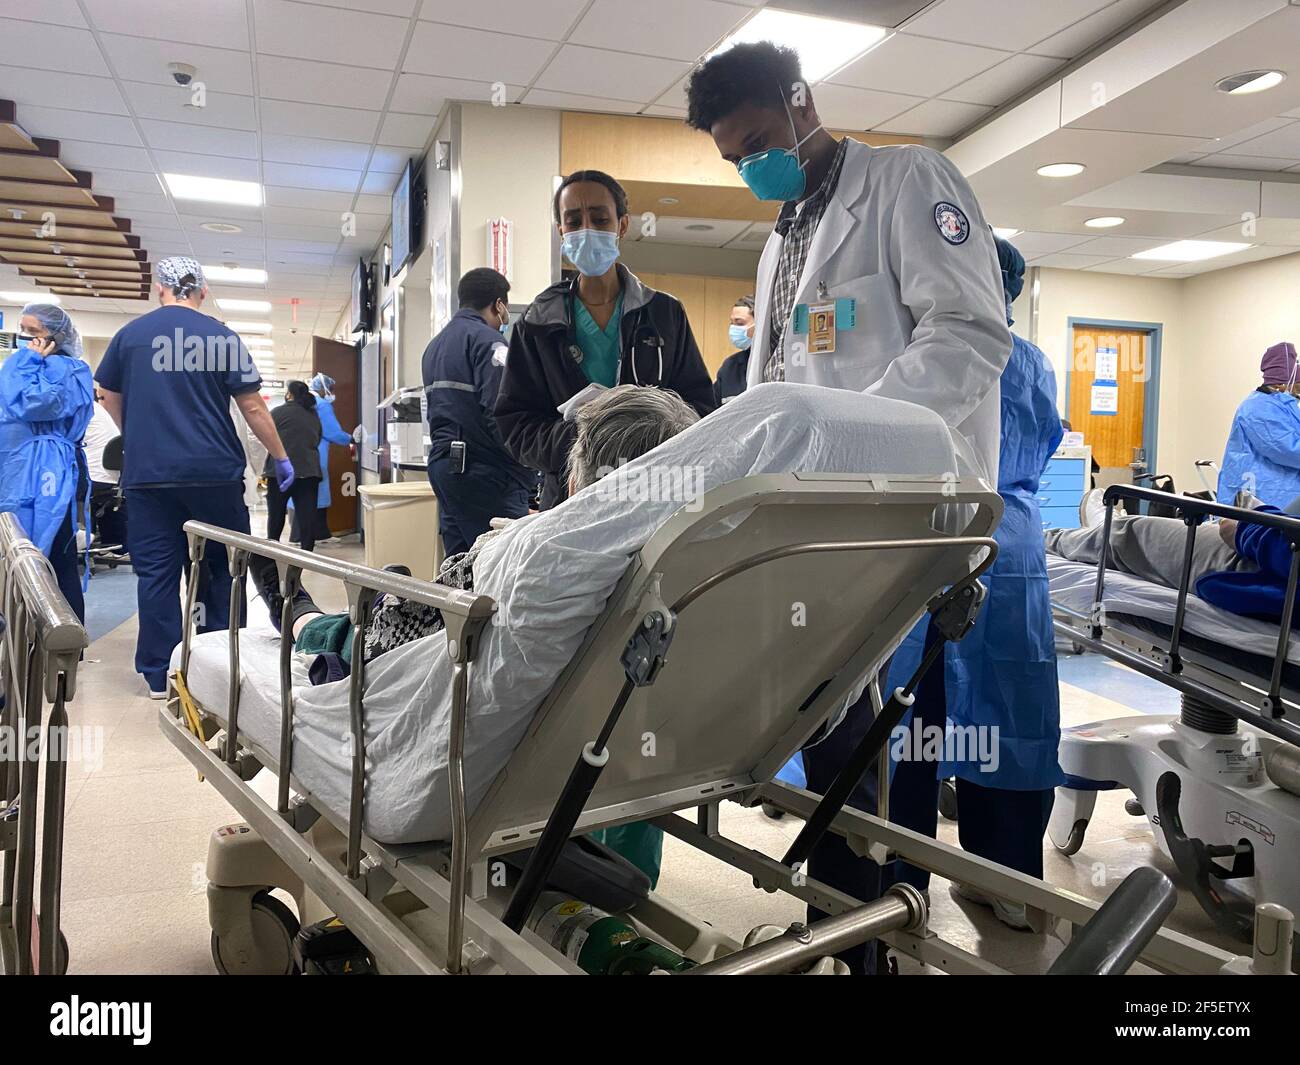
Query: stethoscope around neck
{"type": "Point", "coordinates": [574, 350]}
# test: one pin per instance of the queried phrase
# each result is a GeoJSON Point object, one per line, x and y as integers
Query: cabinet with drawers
{"type": "Point", "coordinates": [1067, 477]}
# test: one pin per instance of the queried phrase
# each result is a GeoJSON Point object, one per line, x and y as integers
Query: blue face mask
{"type": "Point", "coordinates": [592, 251]}
{"type": "Point", "coordinates": [740, 337]}
{"type": "Point", "coordinates": [778, 173]}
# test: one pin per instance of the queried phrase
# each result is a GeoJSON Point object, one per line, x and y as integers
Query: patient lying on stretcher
{"type": "Point", "coordinates": [1241, 567]}
{"type": "Point", "coordinates": [622, 425]}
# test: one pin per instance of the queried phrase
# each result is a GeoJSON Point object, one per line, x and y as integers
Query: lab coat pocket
{"type": "Point", "coordinates": [865, 344]}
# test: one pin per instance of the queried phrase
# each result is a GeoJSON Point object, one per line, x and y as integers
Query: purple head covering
{"type": "Point", "coordinates": [1279, 364]}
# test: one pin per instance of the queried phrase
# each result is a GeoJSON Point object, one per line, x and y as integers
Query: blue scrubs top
{"type": "Point", "coordinates": [1263, 452]}
{"type": "Point", "coordinates": [177, 369]}
{"type": "Point", "coordinates": [600, 347]}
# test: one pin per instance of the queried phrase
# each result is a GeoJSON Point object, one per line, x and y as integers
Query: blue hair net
{"type": "Point", "coordinates": [1012, 264]}
{"type": "Point", "coordinates": [322, 384]}
{"type": "Point", "coordinates": [58, 325]}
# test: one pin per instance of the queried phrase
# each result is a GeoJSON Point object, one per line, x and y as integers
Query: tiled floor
{"type": "Point", "coordinates": [138, 823]}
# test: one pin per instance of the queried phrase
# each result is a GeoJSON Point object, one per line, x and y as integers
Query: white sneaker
{"type": "Point", "coordinates": [1011, 914]}
{"type": "Point", "coordinates": [157, 695]}
{"type": "Point", "coordinates": [1092, 508]}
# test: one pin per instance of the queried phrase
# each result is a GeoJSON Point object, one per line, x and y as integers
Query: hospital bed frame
{"type": "Point", "coordinates": [42, 643]}
{"type": "Point", "coordinates": [1212, 686]}
{"type": "Point", "coordinates": [767, 541]}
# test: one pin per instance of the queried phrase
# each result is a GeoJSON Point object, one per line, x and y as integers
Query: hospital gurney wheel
{"type": "Point", "coordinates": [1074, 841]}
{"type": "Point", "coordinates": [273, 929]}
{"type": "Point", "coordinates": [948, 799]}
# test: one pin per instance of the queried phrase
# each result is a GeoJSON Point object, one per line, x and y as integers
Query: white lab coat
{"type": "Point", "coordinates": [931, 318]}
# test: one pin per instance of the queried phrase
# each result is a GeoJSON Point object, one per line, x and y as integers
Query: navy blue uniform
{"type": "Point", "coordinates": [731, 377]}
{"type": "Point", "coordinates": [177, 370]}
{"type": "Point", "coordinates": [462, 368]}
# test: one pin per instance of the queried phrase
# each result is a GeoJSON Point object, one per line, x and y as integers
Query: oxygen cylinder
{"type": "Point", "coordinates": [599, 943]}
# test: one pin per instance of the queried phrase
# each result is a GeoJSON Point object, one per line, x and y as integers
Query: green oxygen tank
{"type": "Point", "coordinates": [599, 943]}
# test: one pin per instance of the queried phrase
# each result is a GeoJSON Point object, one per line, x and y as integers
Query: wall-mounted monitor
{"type": "Point", "coordinates": [363, 298]}
{"type": "Point", "coordinates": [407, 204]}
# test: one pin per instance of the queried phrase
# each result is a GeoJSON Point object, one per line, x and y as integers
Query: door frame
{"type": "Point", "coordinates": [1151, 400]}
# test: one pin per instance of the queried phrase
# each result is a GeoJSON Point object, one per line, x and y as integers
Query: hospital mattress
{"type": "Point", "coordinates": [1244, 642]}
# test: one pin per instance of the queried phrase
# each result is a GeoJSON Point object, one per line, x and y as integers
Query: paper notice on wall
{"type": "Point", "coordinates": [1107, 365]}
{"type": "Point", "coordinates": [1105, 398]}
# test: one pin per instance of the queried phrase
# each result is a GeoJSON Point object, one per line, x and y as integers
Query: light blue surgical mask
{"type": "Point", "coordinates": [592, 251]}
{"type": "Point", "coordinates": [778, 173]}
{"type": "Point", "coordinates": [740, 337]}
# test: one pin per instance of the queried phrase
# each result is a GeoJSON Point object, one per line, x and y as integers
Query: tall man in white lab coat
{"type": "Point", "coordinates": [881, 276]}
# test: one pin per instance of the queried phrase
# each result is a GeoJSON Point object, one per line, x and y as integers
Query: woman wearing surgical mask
{"type": "Point", "coordinates": [47, 398]}
{"type": "Point", "coordinates": [601, 328]}
{"type": "Point", "coordinates": [735, 367]}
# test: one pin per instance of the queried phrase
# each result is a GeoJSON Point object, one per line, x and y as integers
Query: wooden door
{"type": "Point", "coordinates": [1108, 383]}
{"type": "Point", "coordinates": [341, 362]}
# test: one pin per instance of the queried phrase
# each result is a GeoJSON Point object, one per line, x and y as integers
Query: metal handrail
{"type": "Point", "coordinates": [43, 641]}
{"type": "Point", "coordinates": [464, 615]}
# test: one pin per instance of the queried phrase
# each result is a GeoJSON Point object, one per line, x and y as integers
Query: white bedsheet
{"type": "Point", "coordinates": [550, 577]}
{"type": "Point", "coordinates": [1074, 584]}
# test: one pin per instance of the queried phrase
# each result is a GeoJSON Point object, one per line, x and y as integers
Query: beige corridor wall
{"type": "Point", "coordinates": [1066, 294]}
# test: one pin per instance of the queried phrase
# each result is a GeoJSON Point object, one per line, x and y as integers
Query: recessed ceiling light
{"type": "Point", "coordinates": [214, 190]}
{"type": "Point", "coordinates": [236, 275]}
{"type": "Point", "coordinates": [1061, 169]}
{"type": "Point", "coordinates": [1191, 251]}
{"type": "Point", "coordinates": [668, 201]}
{"type": "Point", "coordinates": [1107, 221]}
{"type": "Point", "coordinates": [1250, 81]}
{"type": "Point", "coordinates": [249, 327]}
{"type": "Point", "coordinates": [699, 227]}
{"type": "Point", "coordinates": [29, 297]}
{"type": "Point", "coordinates": [1005, 233]}
{"type": "Point", "coordinates": [260, 306]}
{"type": "Point", "coordinates": [221, 227]}
{"type": "Point", "coordinates": [823, 44]}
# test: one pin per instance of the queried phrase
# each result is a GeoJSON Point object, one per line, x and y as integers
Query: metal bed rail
{"type": "Point", "coordinates": [43, 641]}
{"type": "Point", "coordinates": [1269, 715]}
{"type": "Point", "coordinates": [464, 616]}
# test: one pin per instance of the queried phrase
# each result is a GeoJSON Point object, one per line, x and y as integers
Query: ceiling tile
{"type": "Point", "coordinates": [310, 177]}
{"type": "Point", "coordinates": [302, 216]}
{"type": "Point", "coordinates": [59, 12]}
{"type": "Point", "coordinates": [1005, 81]}
{"type": "Point", "coordinates": [1070, 261]}
{"type": "Point", "coordinates": [1247, 162]}
{"type": "Point", "coordinates": [1033, 245]}
{"type": "Point", "coordinates": [672, 230]}
{"type": "Point", "coordinates": [71, 50]}
{"type": "Point", "coordinates": [674, 29]}
{"type": "Point", "coordinates": [456, 52]}
{"type": "Point", "coordinates": [172, 105]}
{"type": "Point", "coordinates": [917, 66]}
{"type": "Point", "coordinates": [112, 182]}
{"type": "Point", "coordinates": [843, 107]}
{"type": "Point", "coordinates": [570, 101]}
{"type": "Point", "coordinates": [141, 59]}
{"type": "Point", "coordinates": [1017, 25]}
{"type": "Point", "coordinates": [422, 94]}
{"type": "Point", "coordinates": [936, 118]}
{"type": "Point", "coordinates": [379, 184]}
{"type": "Point", "coordinates": [182, 137]}
{"type": "Point", "coordinates": [1249, 133]}
{"type": "Point", "coordinates": [618, 75]}
{"type": "Point", "coordinates": [1096, 28]}
{"type": "Point", "coordinates": [218, 23]}
{"type": "Point", "coordinates": [78, 92]}
{"type": "Point", "coordinates": [61, 124]}
{"type": "Point", "coordinates": [548, 19]}
{"type": "Point", "coordinates": [666, 112]}
{"type": "Point", "coordinates": [406, 131]}
{"type": "Point", "coordinates": [312, 199]}
{"type": "Point", "coordinates": [1108, 246]}
{"type": "Point", "coordinates": [314, 120]}
{"type": "Point", "coordinates": [344, 155]}
{"type": "Point", "coordinates": [216, 166]}
{"type": "Point", "coordinates": [390, 160]}
{"type": "Point", "coordinates": [379, 7]}
{"type": "Point", "coordinates": [309, 81]}
{"type": "Point", "coordinates": [336, 35]}
{"type": "Point", "coordinates": [85, 155]}
{"type": "Point", "coordinates": [1283, 142]}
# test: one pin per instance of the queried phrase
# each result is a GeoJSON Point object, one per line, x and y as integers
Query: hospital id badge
{"type": "Point", "coordinates": [821, 329]}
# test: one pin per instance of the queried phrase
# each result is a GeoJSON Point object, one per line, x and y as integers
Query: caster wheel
{"type": "Point", "coordinates": [1075, 840]}
{"type": "Point", "coordinates": [1134, 808]}
{"type": "Point", "coordinates": [948, 800]}
{"type": "Point", "coordinates": [773, 812]}
{"type": "Point", "coordinates": [271, 954]}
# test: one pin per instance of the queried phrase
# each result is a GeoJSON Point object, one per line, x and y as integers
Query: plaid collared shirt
{"type": "Point", "coordinates": [797, 224]}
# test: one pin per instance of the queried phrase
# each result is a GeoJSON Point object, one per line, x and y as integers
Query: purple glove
{"type": "Point", "coordinates": [284, 474]}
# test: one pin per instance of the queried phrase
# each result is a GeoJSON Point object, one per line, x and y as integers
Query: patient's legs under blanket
{"type": "Point", "coordinates": [1149, 548]}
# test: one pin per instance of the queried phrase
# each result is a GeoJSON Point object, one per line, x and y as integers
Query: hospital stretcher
{"type": "Point", "coordinates": [848, 562]}
{"type": "Point", "coordinates": [1220, 781]}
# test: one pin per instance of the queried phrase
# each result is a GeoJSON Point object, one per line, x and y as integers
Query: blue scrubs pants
{"type": "Point", "coordinates": [467, 502]}
{"type": "Point", "coordinates": [159, 554]}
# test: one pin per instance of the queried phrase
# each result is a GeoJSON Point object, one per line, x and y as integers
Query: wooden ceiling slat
{"type": "Point", "coordinates": [41, 165]}
{"type": "Point", "coordinates": [80, 262]}
{"type": "Point", "coordinates": [55, 195]}
{"type": "Point", "coordinates": [68, 247]}
{"type": "Point", "coordinates": [97, 216]}
{"type": "Point", "coordinates": [121, 276]}
{"type": "Point", "coordinates": [83, 234]}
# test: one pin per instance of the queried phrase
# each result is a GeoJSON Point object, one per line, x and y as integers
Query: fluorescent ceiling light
{"type": "Point", "coordinates": [1191, 251]}
{"type": "Point", "coordinates": [1250, 81]}
{"type": "Point", "coordinates": [262, 306]}
{"type": "Point", "coordinates": [29, 297]}
{"type": "Point", "coordinates": [1105, 221]}
{"type": "Point", "coordinates": [1061, 169]}
{"type": "Point", "coordinates": [237, 275]}
{"type": "Point", "coordinates": [1005, 233]}
{"type": "Point", "coordinates": [249, 327]}
{"type": "Point", "coordinates": [824, 44]}
{"type": "Point", "coordinates": [214, 190]}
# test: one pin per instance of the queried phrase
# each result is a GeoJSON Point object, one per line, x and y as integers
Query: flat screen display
{"type": "Point", "coordinates": [361, 298]}
{"type": "Point", "coordinates": [402, 220]}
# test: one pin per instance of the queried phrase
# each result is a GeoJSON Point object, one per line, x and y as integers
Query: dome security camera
{"type": "Point", "coordinates": [182, 73]}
